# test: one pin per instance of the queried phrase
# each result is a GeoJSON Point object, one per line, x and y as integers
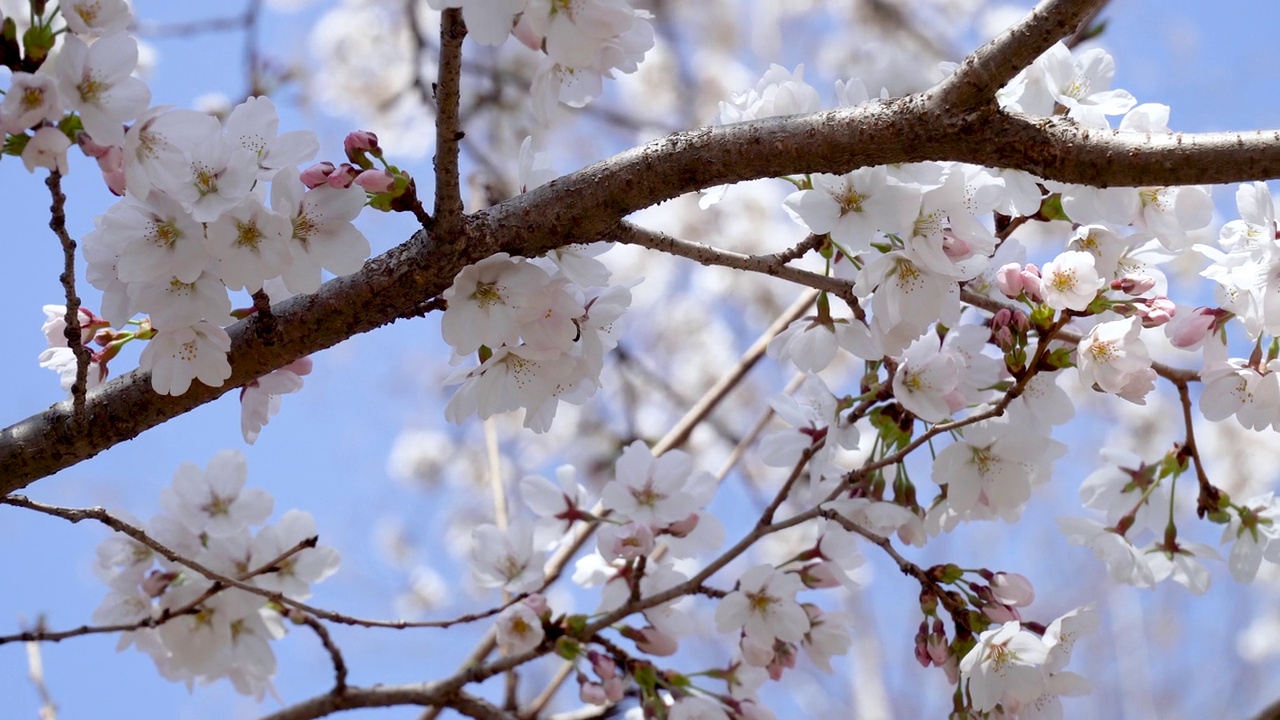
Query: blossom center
{"type": "Point", "coordinates": [851, 201]}
{"type": "Point", "coordinates": [32, 98]}
{"type": "Point", "coordinates": [1063, 280]}
{"type": "Point", "coordinates": [88, 12]}
{"type": "Point", "coordinates": [760, 602]}
{"type": "Point", "coordinates": [1103, 351]}
{"type": "Point", "coordinates": [247, 234]}
{"type": "Point", "coordinates": [91, 89]}
{"type": "Point", "coordinates": [164, 234]}
{"type": "Point", "coordinates": [488, 294]}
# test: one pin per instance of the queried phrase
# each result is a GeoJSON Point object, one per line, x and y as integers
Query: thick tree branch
{"type": "Point", "coordinates": [586, 205]}
{"type": "Point", "coordinates": [448, 210]}
{"type": "Point", "coordinates": [993, 65]}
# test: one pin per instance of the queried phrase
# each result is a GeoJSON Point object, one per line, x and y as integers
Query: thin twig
{"type": "Point", "coordinates": [335, 655]}
{"type": "Point", "coordinates": [58, 223]}
{"type": "Point", "coordinates": [137, 534]}
{"type": "Point", "coordinates": [775, 265]}
{"type": "Point", "coordinates": [1207, 501]}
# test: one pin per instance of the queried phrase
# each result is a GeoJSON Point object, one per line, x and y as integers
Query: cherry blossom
{"type": "Point", "coordinates": [1006, 662]}
{"type": "Point", "coordinates": [649, 490]}
{"type": "Point", "coordinates": [1125, 563]}
{"type": "Point", "coordinates": [214, 500]}
{"type": "Point", "coordinates": [995, 464]}
{"type": "Point", "coordinates": [519, 629]}
{"type": "Point", "coordinates": [926, 379]}
{"type": "Point", "coordinates": [323, 236]}
{"type": "Point", "coordinates": [853, 208]}
{"type": "Point", "coordinates": [293, 576]}
{"type": "Point", "coordinates": [47, 149]}
{"type": "Point", "coordinates": [260, 399]}
{"type": "Point", "coordinates": [30, 100]}
{"type": "Point", "coordinates": [1081, 84]}
{"type": "Point", "coordinates": [764, 607]}
{"type": "Point", "coordinates": [253, 126]}
{"type": "Point", "coordinates": [157, 237]}
{"type": "Point", "coordinates": [1070, 281]}
{"type": "Point", "coordinates": [1181, 564]}
{"type": "Point", "coordinates": [250, 243]}
{"type": "Point", "coordinates": [157, 144]}
{"type": "Point", "coordinates": [1113, 357]}
{"type": "Point", "coordinates": [95, 81]}
{"type": "Point", "coordinates": [488, 23]}
{"type": "Point", "coordinates": [63, 361]}
{"type": "Point", "coordinates": [557, 506]}
{"type": "Point", "coordinates": [1255, 528]}
{"type": "Point", "coordinates": [96, 17]}
{"type": "Point", "coordinates": [506, 559]}
{"type": "Point", "coordinates": [176, 357]}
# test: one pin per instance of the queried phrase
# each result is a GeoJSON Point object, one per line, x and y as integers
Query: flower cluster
{"type": "Point", "coordinates": [198, 221]}
{"type": "Point", "coordinates": [208, 207]}
{"type": "Point", "coordinates": [203, 630]}
{"type": "Point", "coordinates": [541, 336]}
{"type": "Point", "coordinates": [584, 42]}
{"type": "Point", "coordinates": [1022, 672]}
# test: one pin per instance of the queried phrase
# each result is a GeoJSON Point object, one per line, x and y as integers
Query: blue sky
{"type": "Point", "coordinates": [326, 452]}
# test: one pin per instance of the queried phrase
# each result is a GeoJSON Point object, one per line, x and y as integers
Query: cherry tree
{"type": "Point", "coordinates": [957, 267]}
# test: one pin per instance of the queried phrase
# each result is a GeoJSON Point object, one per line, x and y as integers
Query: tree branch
{"type": "Point", "coordinates": [448, 212]}
{"type": "Point", "coordinates": [775, 265]}
{"type": "Point", "coordinates": [421, 694]}
{"type": "Point", "coordinates": [586, 205]}
{"type": "Point", "coordinates": [993, 65]}
{"type": "Point", "coordinates": [58, 224]}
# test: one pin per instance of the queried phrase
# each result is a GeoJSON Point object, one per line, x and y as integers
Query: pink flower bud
{"type": "Point", "coordinates": [342, 177]}
{"type": "Point", "coordinates": [938, 649]}
{"type": "Point", "coordinates": [1002, 317]}
{"type": "Point", "coordinates": [375, 181]}
{"type": "Point", "coordinates": [592, 693]}
{"type": "Point", "coordinates": [1003, 338]}
{"type": "Point", "coordinates": [819, 575]}
{"type": "Point", "coordinates": [157, 582]}
{"type": "Point", "coordinates": [653, 641]}
{"type": "Point", "coordinates": [1009, 279]}
{"type": "Point", "coordinates": [1021, 322]}
{"type": "Point", "coordinates": [682, 528]}
{"type": "Point", "coordinates": [115, 181]}
{"type": "Point", "coordinates": [1031, 283]}
{"type": "Point", "coordinates": [1189, 330]}
{"type": "Point", "coordinates": [603, 665]}
{"type": "Point", "coordinates": [358, 142]}
{"type": "Point", "coordinates": [1135, 284]}
{"type": "Point", "coordinates": [1157, 311]}
{"type": "Point", "coordinates": [316, 175]}
{"type": "Point", "coordinates": [91, 148]}
{"type": "Point", "coordinates": [615, 689]}
{"type": "Point", "coordinates": [1012, 589]}
{"type": "Point", "coordinates": [536, 602]}
{"type": "Point", "coordinates": [998, 613]}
